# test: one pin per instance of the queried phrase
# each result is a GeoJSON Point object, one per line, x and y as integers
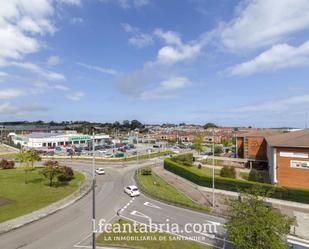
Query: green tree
{"type": "Point", "coordinates": [198, 143]}
{"type": "Point", "coordinates": [210, 125]}
{"type": "Point", "coordinates": [254, 225]}
{"type": "Point", "coordinates": [218, 150]}
{"type": "Point", "coordinates": [33, 156]}
{"type": "Point", "coordinates": [51, 171]}
{"type": "Point", "coordinates": [23, 157]}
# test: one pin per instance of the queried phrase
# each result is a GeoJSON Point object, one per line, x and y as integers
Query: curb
{"type": "Point", "coordinates": [21, 221]}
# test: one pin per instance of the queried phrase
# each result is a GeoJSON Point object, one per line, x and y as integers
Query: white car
{"type": "Point", "coordinates": [100, 171]}
{"type": "Point", "coordinates": [132, 191]}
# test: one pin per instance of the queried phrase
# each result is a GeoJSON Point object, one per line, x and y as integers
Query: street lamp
{"type": "Point", "coordinates": [93, 194]}
{"type": "Point", "coordinates": [213, 167]}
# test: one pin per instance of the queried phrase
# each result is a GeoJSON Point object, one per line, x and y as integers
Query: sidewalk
{"type": "Point", "coordinates": [39, 214]}
{"type": "Point", "coordinates": [203, 195]}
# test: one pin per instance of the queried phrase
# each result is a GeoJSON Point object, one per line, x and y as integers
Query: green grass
{"type": "Point", "coordinates": [151, 155]}
{"type": "Point", "coordinates": [34, 195]}
{"type": "Point", "coordinates": [204, 170]}
{"type": "Point", "coordinates": [156, 187]}
{"type": "Point", "coordinates": [154, 242]}
{"type": "Point", "coordinates": [10, 156]}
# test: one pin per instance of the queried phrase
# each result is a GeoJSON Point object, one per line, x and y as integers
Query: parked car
{"type": "Point", "coordinates": [100, 171]}
{"type": "Point", "coordinates": [132, 191]}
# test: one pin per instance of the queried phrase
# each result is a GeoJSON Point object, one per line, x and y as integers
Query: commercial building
{"type": "Point", "coordinates": [286, 154]}
{"type": "Point", "coordinates": [41, 140]}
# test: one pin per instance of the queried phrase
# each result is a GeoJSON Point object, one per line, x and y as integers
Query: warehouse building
{"type": "Point", "coordinates": [41, 140]}
{"type": "Point", "coordinates": [286, 154]}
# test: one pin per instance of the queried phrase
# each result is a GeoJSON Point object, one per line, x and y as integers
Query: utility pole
{"type": "Point", "coordinates": [213, 167]}
{"type": "Point", "coordinates": [93, 194]}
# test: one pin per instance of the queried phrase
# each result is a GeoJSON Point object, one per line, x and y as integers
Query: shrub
{"type": "Point", "coordinates": [284, 193]}
{"type": "Point", "coordinates": [7, 164]}
{"type": "Point", "coordinates": [146, 171]}
{"type": "Point", "coordinates": [199, 166]}
{"type": "Point", "coordinates": [228, 172]}
{"type": "Point", "coordinates": [258, 176]}
{"type": "Point", "coordinates": [52, 163]}
{"type": "Point", "coordinates": [185, 159]}
{"type": "Point", "coordinates": [66, 175]}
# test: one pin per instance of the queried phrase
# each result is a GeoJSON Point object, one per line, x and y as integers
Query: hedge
{"type": "Point", "coordinates": [283, 193]}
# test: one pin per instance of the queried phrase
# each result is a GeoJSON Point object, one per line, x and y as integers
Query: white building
{"type": "Point", "coordinates": [40, 140]}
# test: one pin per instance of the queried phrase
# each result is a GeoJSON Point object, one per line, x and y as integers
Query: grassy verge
{"type": "Point", "coordinates": [155, 186]}
{"type": "Point", "coordinates": [24, 198]}
{"type": "Point", "coordinates": [154, 241]}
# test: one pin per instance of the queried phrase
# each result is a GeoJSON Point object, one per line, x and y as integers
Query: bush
{"type": "Point", "coordinates": [51, 163]}
{"type": "Point", "coordinates": [66, 175]}
{"type": "Point", "coordinates": [146, 171]}
{"type": "Point", "coordinates": [284, 193]}
{"type": "Point", "coordinates": [199, 166]}
{"type": "Point", "coordinates": [7, 164]}
{"type": "Point", "coordinates": [228, 172]}
{"type": "Point", "coordinates": [258, 176]}
{"type": "Point", "coordinates": [185, 159]}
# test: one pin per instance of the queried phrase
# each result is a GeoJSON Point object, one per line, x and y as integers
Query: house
{"type": "Point", "coordinates": [286, 154]}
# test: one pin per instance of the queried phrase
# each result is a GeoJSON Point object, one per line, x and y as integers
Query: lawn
{"type": "Point", "coordinates": [19, 198]}
{"type": "Point", "coordinates": [156, 187]}
{"type": "Point", "coordinates": [154, 241]}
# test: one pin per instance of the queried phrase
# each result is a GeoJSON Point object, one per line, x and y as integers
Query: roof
{"type": "Point", "coordinates": [259, 133]}
{"type": "Point", "coordinates": [291, 139]}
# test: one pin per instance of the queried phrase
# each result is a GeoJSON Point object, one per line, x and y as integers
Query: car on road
{"type": "Point", "coordinates": [132, 190]}
{"type": "Point", "coordinates": [100, 171]}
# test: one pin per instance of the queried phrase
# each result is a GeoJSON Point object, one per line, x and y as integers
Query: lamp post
{"type": "Point", "coordinates": [213, 167]}
{"type": "Point", "coordinates": [93, 194]}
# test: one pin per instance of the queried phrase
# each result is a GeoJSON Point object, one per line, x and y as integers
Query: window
{"type": "Point", "coordinates": [293, 154]}
{"type": "Point", "coordinates": [300, 164]}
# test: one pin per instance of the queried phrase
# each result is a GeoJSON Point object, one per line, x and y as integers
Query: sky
{"type": "Point", "coordinates": [235, 63]}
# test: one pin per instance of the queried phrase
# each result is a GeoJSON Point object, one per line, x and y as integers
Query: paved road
{"type": "Point", "coordinates": [71, 227]}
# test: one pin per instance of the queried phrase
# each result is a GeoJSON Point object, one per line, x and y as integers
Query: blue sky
{"type": "Point", "coordinates": [236, 63]}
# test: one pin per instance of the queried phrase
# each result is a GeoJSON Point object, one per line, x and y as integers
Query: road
{"type": "Point", "coordinates": [71, 227]}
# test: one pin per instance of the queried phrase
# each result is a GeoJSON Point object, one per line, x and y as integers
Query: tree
{"type": "Point", "coordinates": [210, 125]}
{"type": "Point", "coordinates": [254, 225]}
{"type": "Point", "coordinates": [198, 143]}
{"type": "Point", "coordinates": [136, 124]}
{"type": "Point", "coordinates": [218, 150]}
{"type": "Point", "coordinates": [33, 157]}
{"type": "Point", "coordinates": [51, 171]}
{"type": "Point", "coordinates": [23, 157]}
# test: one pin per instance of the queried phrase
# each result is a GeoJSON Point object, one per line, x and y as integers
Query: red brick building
{"type": "Point", "coordinates": [287, 155]}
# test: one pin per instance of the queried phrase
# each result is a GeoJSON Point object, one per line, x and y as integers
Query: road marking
{"type": "Point", "coordinates": [151, 205]}
{"type": "Point", "coordinates": [139, 214]}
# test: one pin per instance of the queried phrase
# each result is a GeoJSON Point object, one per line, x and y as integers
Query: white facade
{"type": "Point", "coordinates": [40, 140]}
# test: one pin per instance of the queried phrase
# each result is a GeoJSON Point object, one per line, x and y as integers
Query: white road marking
{"type": "Point", "coordinates": [151, 205]}
{"type": "Point", "coordinates": [139, 214]}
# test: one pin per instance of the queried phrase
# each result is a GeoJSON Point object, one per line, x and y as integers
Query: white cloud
{"type": "Point", "coordinates": [76, 20]}
{"type": "Point", "coordinates": [3, 74]}
{"type": "Point", "coordinates": [49, 75]}
{"type": "Point", "coordinates": [75, 96]}
{"type": "Point", "coordinates": [169, 37]}
{"type": "Point", "coordinates": [97, 68]}
{"type": "Point", "coordinates": [264, 22]}
{"type": "Point", "coordinates": [137, 39]}
{"type": "Point", "coordinates": [167, 89]}
{"type": "Point", "coordinates": [10, 109]}
{"type": "Point", "coordinates": [61, 87]}
{"type": "Point", "coordinates": [175, 83]}
{"type": "Point", "coordinates": [278, 57]}
{"type": "Point", "coordinates": [141, 40]}
{"type": "Point", "coordinates": [10, 93]}
{"type": "Point", "coordinates": [70, 2]}
{"type": "Point", "coordinates": [126, 4]}
{"type": "Point", "coordinates": [53, 60]}
{"type": "Point", "coordinates": [277, 105]}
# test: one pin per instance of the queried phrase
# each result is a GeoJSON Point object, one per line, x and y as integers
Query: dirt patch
{"type": "Point", "coordinates": [5, 201]}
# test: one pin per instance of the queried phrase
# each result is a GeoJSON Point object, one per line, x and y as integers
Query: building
{"type": "Point", "coordinates": [41, 140]}
{"type": "Point", "coordinates": [286, 154]}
